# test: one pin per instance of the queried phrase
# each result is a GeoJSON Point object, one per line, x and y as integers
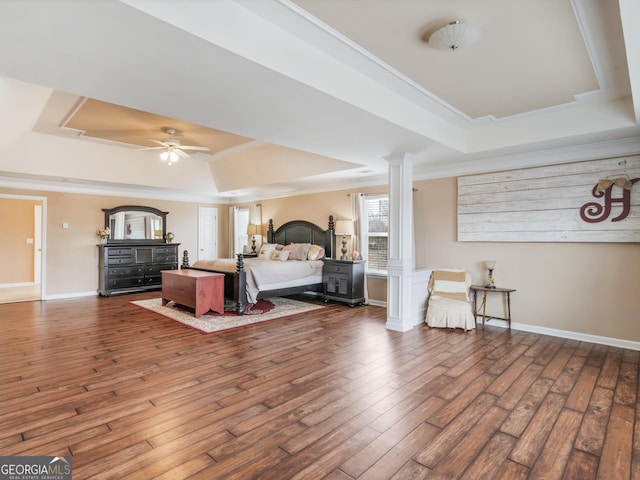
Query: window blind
{"type": "Point", "coordinates": [378, 232]}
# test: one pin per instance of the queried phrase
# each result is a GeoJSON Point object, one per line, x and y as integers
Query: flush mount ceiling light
{"type": "Point", "coordinates": [455, 35]}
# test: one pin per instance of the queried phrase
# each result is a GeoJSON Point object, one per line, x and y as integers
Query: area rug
{"type": "Point", "coordinates": [210, 322]}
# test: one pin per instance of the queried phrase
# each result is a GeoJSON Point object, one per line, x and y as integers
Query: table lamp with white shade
{"type": "Point", "coordinates": [491, 265]}
{"type": "Point", "coordinates": [344, 228]}
{"type": "Point", "coordinates": [253, 230]}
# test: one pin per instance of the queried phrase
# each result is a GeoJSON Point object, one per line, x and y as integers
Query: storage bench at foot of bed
{"type": "Point", "coordinates": [202, 291]}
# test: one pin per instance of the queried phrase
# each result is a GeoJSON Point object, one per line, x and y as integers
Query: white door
{"type": "Point", "coordinates": [207, 233]}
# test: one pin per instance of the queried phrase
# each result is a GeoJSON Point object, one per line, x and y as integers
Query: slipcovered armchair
{"type": "Point", "coordinates": [449, 305]}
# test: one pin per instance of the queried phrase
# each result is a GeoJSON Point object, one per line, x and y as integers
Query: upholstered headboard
{"type": "Point", "coordinates": [301, 231]}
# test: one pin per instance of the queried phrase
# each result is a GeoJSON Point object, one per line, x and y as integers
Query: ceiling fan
{"type": "Point", "coordinates": [172, 151]}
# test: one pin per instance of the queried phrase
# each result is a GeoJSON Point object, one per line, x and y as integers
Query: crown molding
{"type": "Point", "coordinates": [591, 151]}
{"type": "Point", "coordinates": [578, 153]}
{"type": "Point", "coordinates": [89, 188]}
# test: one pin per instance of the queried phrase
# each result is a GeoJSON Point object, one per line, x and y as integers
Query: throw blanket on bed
{"type": "Point", "coordinates": [261, 274]}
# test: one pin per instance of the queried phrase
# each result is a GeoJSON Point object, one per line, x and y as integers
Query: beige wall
{"type": "Point", "coordinates": [71, 254]}
{"type": "Point", "coordinates": [377, 288]}
{"type": "Point", "coordinates": [316, 208]}
{"type": "Point", "coordinates": [580, 287]}
{"type": "Point", "coordinates": [588, 288]}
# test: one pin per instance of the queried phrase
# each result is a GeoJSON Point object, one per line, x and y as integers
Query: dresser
{"type": "Point", "coordinates": [134, 267]}
{"type": "Point", "coordinates": [343, 280]}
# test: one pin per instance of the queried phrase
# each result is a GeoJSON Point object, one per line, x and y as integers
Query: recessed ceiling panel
{"type": "Point", "coordinates": [272, 164]}
{"type": "Point", "coordinates": [531, 54]}
{"type": "Point", "coordinates": [115, 123]}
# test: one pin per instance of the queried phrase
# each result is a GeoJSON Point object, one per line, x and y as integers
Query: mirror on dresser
{"type": "Point", "coordinates": [135, 254]}
{"type": "Point", "coordinates": [134, 223]}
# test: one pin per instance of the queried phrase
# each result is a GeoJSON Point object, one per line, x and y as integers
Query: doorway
{"type": "Point", "coordinates": [22, 248]}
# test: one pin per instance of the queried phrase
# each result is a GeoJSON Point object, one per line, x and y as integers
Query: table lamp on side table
{"type": "Point", "coordinates": [344, 228]}
{"type": "Point", "coordinates": [491, 265]}
{"type": "Point", "coordinates": [253, 230]}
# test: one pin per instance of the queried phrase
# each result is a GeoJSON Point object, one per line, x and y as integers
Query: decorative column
{"type": "Point", "coordinates": [400, 263]}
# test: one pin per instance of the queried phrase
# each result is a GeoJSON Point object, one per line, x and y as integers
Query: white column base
{"type": "Point", "coordinates": [399, 299]}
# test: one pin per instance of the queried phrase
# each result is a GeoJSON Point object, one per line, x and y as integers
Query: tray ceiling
{"type": "Point", "coordinates": [306, 95]}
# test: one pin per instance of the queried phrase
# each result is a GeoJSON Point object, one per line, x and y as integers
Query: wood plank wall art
{"type": "Point", "coordinates": [591, 201]}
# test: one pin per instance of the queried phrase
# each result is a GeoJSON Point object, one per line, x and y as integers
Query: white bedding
{"type": "Point", "coordinates": [268, 274]}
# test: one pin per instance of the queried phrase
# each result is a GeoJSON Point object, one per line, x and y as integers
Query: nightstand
{"type": "Point", "coordinates": [343, 280]}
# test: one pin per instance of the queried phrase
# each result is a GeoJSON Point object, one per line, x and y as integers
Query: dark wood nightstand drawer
{"type": "Point", "coordinates": [120, 260]}
{"type": "Point", "coordinates": [125, 282]}
{"type": "Point", "coordinates": [153, 280]}
{"type": "Point", "coordinates": [337, 268]}
{"type": "Point", "coordinates": [166, 258]}
{"type": "Point", "coordinates": [116, 252]}
{"type": "Point", "coordinates": [173, 250]}
{"type": "Point", "coordinates": [125, 271]}
{"type": "Point", "coordinates": [156, 269]}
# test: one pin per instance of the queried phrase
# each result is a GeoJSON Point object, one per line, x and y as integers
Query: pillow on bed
{"type": "Point", "coordinates": [316, 252]}
{"type": "Point", "coordinates": [292, 248]}
{"type": "Point", "coordinates": [280, 255]}
{"type": "Point", "coordinates": [266, 250]}
{"type": "Point", "coordinates": [299, 251]}
{"type": "Point", "coordinates": [303, 250]}
{"type": "Point", "coordinates": [276, 246]}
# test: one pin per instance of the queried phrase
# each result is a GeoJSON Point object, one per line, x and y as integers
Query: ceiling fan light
{"type": "Point", "coordinates": [169, 155]}
{"type": "Point", "coordinates": [455, 35]}
{"type": "Point", "coordinates": [171, 150]}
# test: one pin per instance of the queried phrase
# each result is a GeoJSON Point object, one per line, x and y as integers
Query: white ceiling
{"type": "Point", "coordinates": [319, 91]}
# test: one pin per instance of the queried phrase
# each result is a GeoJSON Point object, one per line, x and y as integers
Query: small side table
{"type": "Point", "coordinates": [506, 292]}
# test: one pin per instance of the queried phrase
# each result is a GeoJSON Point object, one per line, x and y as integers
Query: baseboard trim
{"type": "Point", "coordinates": [377, 303]}
{"type": "Point", "coordinates": [61, 296]}
{"type": "Point", "coordinates": [14, 285]}
{"type": "Point", "coordinates": [554, 332]}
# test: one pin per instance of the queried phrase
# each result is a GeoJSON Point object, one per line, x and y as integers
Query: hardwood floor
{"type": "Point", "coordinates": [328, 394]}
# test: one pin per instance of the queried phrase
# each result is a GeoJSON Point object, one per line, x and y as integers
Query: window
{"type": "Point", "coordinates": [377, 214]}
{"type": "Point", "coordinates": [241, 222]}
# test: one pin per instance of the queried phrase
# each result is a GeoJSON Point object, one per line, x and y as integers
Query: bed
{"type": "Point", "coordinates": [249, 279]}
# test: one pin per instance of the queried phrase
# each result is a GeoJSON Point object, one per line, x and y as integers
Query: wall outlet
{"type": "Point", "coordinates": [30, 241]}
